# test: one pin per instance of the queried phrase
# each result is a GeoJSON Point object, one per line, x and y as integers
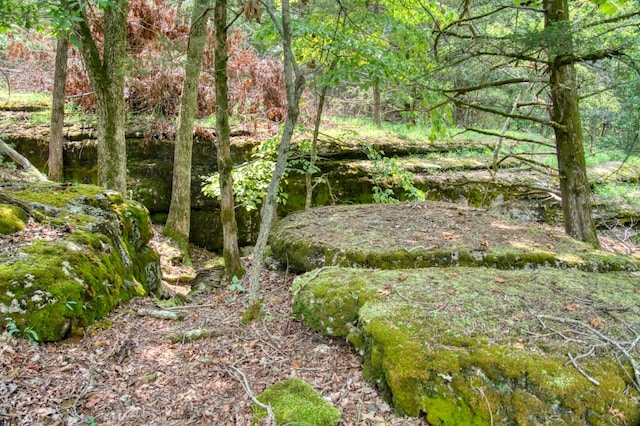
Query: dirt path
{"type": "Point", "coordinates": [130, 374]}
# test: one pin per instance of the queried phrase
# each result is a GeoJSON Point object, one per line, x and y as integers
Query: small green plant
{"type": "Point", "coordinates": [236, 285]}
{"type": "Point", "coordinates": [250, 180]}
{"type": "Point", "coordinates": [28, 333]}
{"type": "Point", "coordinates": [387, 173]}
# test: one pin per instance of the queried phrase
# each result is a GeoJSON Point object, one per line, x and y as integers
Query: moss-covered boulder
{"type": "Point", "coordinates": [86, 253]}
{"type": "Point", "coordinates": [12, 219]}
{"type": "Point", "coordinates": [484, 346]}
{"type": "Point", "coordinates": [294, 401]}
{"type": "Point", "coordinates": [417, 235]}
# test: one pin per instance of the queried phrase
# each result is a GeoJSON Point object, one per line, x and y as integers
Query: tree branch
{"type": "Point", "coordinates": [513, 138]}
{"type": "Point", "coordinates": [506, 114]}
{"type": "Point", "coordinates": [461, 90]}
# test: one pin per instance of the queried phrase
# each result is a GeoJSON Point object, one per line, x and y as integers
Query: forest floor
{"type": "Point", "coordinates": [125, 371]}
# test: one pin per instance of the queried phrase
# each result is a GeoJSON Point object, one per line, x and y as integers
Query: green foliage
{"type": "Point", "coordinates": [387, 173]}
{"type": "Point", "coordinates": [27, 333]}
{"type": "Point", "coordinates": [251, 180]}
{"type": "Point", "coordinates": [236, 285]}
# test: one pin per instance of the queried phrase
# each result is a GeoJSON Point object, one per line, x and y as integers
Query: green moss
{"type": "Point", "coordinates": [295, 402]}
{"type": "Point", "coordinates": [359, 236]}
{"type": "Point", "coordinates": [436, 341]}
{"type": "Point", "coordinates": [55, 194]}
{"type": "Point", "coordinates": [12, 219]}
{"type": "Point", "coordinates": [99, 259]}
{"type": "Point", "coordinates": [252, 312]}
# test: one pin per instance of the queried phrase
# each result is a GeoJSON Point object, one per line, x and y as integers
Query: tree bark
{"type": "Point", "coordinates": [313, 155]}
{"type": "Point", "coordinates": [56, 137]}
{"type": "Point", "coordinates": [107, 79]}
{"type": "Point", "coordinates": [574, 185]}
{"type": "Point", "coordinates": [294, 92]}
{"type": "Point", "coordinates": [377, 116]}
{"type": "Point", "coordinates": [230, 251]}
{"type": "Point", "coordinates": [178, 223]}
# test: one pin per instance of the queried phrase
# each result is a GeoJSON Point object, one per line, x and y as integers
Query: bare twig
{"type": "Point", "coordinates": [572, 360]}
{"type": "Point", "coordinates": [617, 345]}
{"type": "Point", "coordinates": [271, 419]}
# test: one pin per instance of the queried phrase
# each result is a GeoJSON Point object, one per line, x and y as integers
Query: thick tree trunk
{"type": "Point", "coordinates": [107, 79]}
{"type": "Point", "coordinates": [294, 92]}
{"type": "Point", "coordinates": [574, 185]}
{"type": "Point", "coordinates": [231, 253]}
{"type": "Point", "coordinates": [178, 223]}
{"type": "Point", "coordinates": [56, 137]}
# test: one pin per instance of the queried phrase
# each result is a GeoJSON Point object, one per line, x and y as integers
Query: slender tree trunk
{"type": "Point", "coordinates": [313, 157]}
{"type": "Point", "coordinates": [230, 252]}
{"type": "Point", "coordinates": [178, 223]}
{"type": "Point", "coordinates": [377, 116]}
{"type": "Point", "coordinates": [56, 137]}
{"type": "Point", "coordinates": [574, 185]}
{"type": "Point", "coordinates": [107, 79]}
{"type": "Point", "coordinates": [294, 92]}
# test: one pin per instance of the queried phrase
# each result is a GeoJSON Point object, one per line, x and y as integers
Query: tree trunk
{"type": "Point", "coordinates": [313, 156]}
{"type": "Point", "coordinates": [377, 116]}
{"type": "Point", "coordinates": [230, 252]}
{"type": "Point", "coordinates": [574, 185]}
{"type": "Point", "coordinates": [107, 79]}
{"type": "Point", "coordinates": [56, 138]}
{"type": "Point", "coordinates": [294, 92]}
{"type": "Point", "coordinates": [178, 223]}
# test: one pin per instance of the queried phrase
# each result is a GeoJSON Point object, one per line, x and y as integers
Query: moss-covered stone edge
{"type": "Point", "coordinates": [425, 359]}
{"type": "Point", "coordinates": [90, 254]}
{"type": "Point", "coordinates": [304, 243]}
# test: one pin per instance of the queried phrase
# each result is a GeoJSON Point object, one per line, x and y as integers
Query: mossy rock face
{"type": "Point", "coordinates": [417, 235]}
{"type": "Point", "coordinates": [12, 219]}
{"type": "Point", "coordinates": [478, 345]}
{"type": "Point", "coordinates": [295, 402]}
{"type": "Point", "coordinates": [73, 267]}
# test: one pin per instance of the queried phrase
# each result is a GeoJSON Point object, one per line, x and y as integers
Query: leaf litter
{"type": "Point", "coordinates": [124, 371]}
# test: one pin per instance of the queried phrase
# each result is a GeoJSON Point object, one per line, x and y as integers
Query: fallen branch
{"type": "Point", "coordinates": [29, 211]}
{"type": "Point", "coordinates": [21, 160]}
{"type": "Point", "coordinates": [581, 371]}
{"type": "Point", "coordinates": [162, 314]}
{"type": "Point", "coordinates": [197, 334]}
{"type": "Point", "coordinates": [312, 277]}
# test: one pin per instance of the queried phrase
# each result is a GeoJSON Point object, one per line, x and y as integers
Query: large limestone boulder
{"type": "Point", "coordinates": [81, 251]}
{"type": "Point", "coordinates": [480, 346]}
{"type": "Point", "coordinates": [418, 235]}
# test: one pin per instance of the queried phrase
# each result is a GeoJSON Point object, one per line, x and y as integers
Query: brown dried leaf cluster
{"type": "Point", "coordinates": [156, 44]}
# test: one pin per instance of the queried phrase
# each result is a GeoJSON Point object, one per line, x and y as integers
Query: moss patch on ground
{"type": "Point", "coordinates": [417, 235]}
{"type": "Point", "coordinates": [294, 401]}
{"type": "Point", "coordinates": [479, 345]}
{"type": "Point", "coordinates": [73, 267]}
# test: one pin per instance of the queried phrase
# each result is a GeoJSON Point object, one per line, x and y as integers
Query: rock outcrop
{"type": "Point", "coordinates": [70, 258]}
